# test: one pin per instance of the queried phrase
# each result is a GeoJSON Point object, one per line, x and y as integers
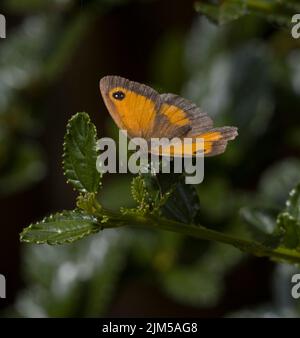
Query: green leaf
{"type": "Point", "coordinates": [183, 204]}
{"type": "Point", "coordinates": [165, 194]}
{"type": "Point", "coordinates": [290, 229]}
{"type": "Point", "coordinates": [147, 193]}
{"type": "Point", "coordinates": [293, 203]}
{"type": "Point", "coordinates": [141, 196]}
{"type": "Point", "coordinates": [229, 10]}
{"type": "Point", "coordinates": [80, 155]}
{"type": "Point", "coordinates": [138, 190]}
{"type": "Point", "coordinates": [65, 227]}
{"type": "Point", "coordinates": [211, 11]}
{"type": "Point", "coordinates": [232, 10]}
{"type": "Point", "coordinates": [157, 195]}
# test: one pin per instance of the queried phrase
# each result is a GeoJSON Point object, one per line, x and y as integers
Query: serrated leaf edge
{"type": "Point", "coordinates": [53, 242]}
{"type": "Point", "coordinates": [74, 183]}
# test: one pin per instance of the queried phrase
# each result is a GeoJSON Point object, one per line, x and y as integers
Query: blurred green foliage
{"type": "Point", "coordinates": [75, 281]}
{"type": "Point", "coordinates": [30, 60]}
{"type": "Point", "coordinates": [224, 11]}
{"type": "Point", "coordinates": [248, 77]}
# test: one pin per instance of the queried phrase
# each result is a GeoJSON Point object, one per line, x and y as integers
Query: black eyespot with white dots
{"type": "Point", "coordinates": [119, 95]}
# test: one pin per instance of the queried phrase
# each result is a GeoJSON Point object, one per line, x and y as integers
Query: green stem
{"type": "Point", "coordinates": [151, 222]}
{"type": "Point", "coordinates": [115, 220]}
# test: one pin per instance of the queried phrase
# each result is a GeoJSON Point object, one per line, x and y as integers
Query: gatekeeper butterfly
{"type": "Point", "coordinates": [143, 112]}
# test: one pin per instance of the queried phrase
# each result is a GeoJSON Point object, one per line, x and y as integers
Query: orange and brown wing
{"type": "Point", "coordinates": [177, 117]}
{"type": "Point", "coordinates": [141, 111]}
{"type": "Point", "coordinates": [132, 105]}
{"type": "Point", "coordinates": [187, 120]}
{"type": "Point", "coordinates": [215, 140]}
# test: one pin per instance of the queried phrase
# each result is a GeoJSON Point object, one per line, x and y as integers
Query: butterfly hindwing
{"type": "Point", "coordinates": [216, 139]}
{"type": "Point", "coordinates": [186, 112]}
{"type": "Point", "coordinates": [180, 111]}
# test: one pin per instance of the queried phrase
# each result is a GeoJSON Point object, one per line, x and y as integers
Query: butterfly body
{"type": "Point", "coordinates": [143, 112]}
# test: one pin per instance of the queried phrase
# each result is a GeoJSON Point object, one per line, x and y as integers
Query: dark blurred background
{"type": "Point", "coordinates": [246, 73]}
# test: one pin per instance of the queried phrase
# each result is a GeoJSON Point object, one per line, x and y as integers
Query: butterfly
{"type": "Point", "coordinates": [144, 113]}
